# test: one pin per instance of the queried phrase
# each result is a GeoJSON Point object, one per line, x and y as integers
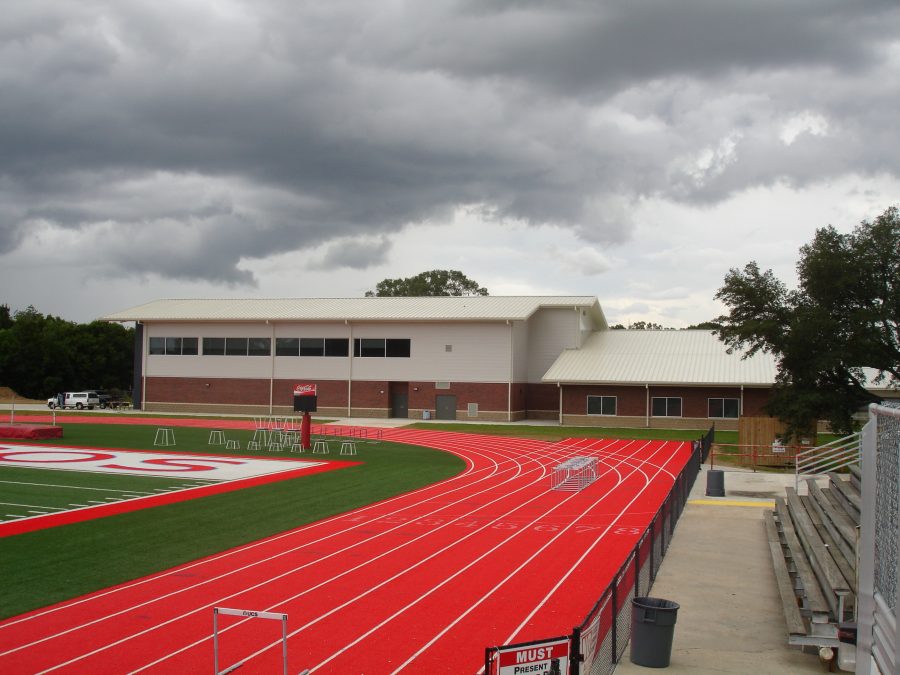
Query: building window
{"type": "Point", "coordinates": [601, 405]}
{"type": "Point", "coordinates": [312, 346]}
{"type": "Point", "coordinates": [157, 345]}
{"type": "Point", "coordinates": [237, 346]}
{"type": "Point", "coordinates": [287, 346]}
{"type": "Point", "coordinates": [213, 346]}
{"type": "Point", "coordinates": [173, 346]}
{"type": "Point", "coordinates": [666, 406]}
{"type": "Point", "coordinates": [368, 347]}
{"type": "Point", "coordinates": [337, 347]}
{"type": "Point", "coordinates": [381, 347]}
{"type": "Point", "coordinates": [724, 408]}
{"type": "Point", "coordinates": [397, 348]}
{"type": "Point", "coordinates": [259, 347]}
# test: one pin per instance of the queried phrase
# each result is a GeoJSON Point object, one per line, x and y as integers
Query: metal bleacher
{"type": "Point", "coordinates": [813, 540]}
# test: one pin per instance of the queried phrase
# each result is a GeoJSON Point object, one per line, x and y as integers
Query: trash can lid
{"type": "Point", "coordinates": [655, 603]}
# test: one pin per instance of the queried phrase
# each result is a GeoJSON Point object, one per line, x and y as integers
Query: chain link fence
{"type": "Point", "coordinates": [878, 639]}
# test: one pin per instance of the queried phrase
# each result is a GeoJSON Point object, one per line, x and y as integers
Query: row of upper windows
{"type": "Point", "coordinates": [242, 346]}
{"type": "Point", "coordinates": [666, 406]}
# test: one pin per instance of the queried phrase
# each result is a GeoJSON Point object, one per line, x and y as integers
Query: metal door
{"type": "Point", "coordinates": [400, 405]}
{"type": "Point", "coordinates": [445, 407]}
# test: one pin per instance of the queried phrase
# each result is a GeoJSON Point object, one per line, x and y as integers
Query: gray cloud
{"type": "Point", "coordinates": [182, 140]}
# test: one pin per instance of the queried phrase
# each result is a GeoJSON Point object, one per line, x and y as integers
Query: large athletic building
{"type": "Point", "coordinates": [486, 358]}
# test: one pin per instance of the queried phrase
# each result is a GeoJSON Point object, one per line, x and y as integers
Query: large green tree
{"type": "Point", "coordinates": [40, 355]}
{"type": "Point", "coordinates": [433, 283]}
{"type": "Point", "coordinates": [841, 320]}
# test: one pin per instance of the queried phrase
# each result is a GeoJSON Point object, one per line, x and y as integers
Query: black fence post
{"type": "Point", "coordinates": [614, 629]}
{"type": "Point", "coordinates": [575, 655]}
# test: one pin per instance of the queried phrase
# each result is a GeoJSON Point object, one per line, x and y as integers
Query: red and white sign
{"type": "Point", "coordinates": [304, 390]}
{"type": "Point", "coordinates": [539, 658]}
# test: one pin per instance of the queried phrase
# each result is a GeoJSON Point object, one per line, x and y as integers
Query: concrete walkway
{"type": "Point", "coordinates": [719, 570]}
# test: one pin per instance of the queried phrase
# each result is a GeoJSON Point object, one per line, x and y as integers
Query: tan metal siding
{"type": "Point", "coordinates": [550, 331]}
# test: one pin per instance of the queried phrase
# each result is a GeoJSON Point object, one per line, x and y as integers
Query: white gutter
{"type": "Point", "coordinates": [349, 367]}
{"type": "Point", "coordinates": [509, 379]}
{"type": "Point", "coordinates": [559, 386]}
{"type": "Point", "coordinates": [272, 366]}
{"type": "Point", "coordinates": [647, 406]}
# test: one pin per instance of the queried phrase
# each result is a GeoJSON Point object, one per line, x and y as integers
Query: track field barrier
{"type": "Point", "coordinates": [597, 644]}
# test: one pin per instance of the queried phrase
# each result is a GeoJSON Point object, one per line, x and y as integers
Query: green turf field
{"type": "Point", "coordinates": [26, 492]}
{"type": "Point", "coordinates": [47, 566]}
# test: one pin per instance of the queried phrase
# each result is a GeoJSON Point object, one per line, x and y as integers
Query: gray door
{"type": "Point", "coordinates": [400, 405]}
{"type": "Point", "coordinates": [445, 407]}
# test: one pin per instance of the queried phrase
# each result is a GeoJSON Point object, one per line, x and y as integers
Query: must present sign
{"type": "Point", "coordinates": [544, 658]}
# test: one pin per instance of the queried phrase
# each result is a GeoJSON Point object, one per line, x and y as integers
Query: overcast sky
{"type": "Point", "coordinates": [631, 149]}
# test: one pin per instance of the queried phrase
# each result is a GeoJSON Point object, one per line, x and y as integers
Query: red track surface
{"type": "Point", "coordinates": [418, 583]}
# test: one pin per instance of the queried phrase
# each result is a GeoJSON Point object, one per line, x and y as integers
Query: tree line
{"type": "Point", "coordinates": [42, 355]}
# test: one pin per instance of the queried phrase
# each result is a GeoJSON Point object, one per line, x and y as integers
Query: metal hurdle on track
{"type": "Point", "coordinates": [575, 474]}
{"type": "Point", "coordinates": [247, 614]}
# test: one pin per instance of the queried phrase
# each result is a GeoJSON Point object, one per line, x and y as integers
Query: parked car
{"type": "Point", "coordinates": [74, 399]}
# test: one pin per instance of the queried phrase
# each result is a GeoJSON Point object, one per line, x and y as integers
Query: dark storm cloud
{"type": "Point", "coordinates": [183, 139]}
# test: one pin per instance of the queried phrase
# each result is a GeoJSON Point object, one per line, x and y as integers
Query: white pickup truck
{"type": "Point", "coordinates": [74, 399]}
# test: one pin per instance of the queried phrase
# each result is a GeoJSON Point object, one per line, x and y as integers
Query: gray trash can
{"type": "Point", "coordinates": [652, 629]}
{"type": "Point", "coordinates": [715, 483]}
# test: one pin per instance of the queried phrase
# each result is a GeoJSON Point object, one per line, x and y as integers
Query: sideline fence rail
{"type": "Point", "coordinates": [596, 645]}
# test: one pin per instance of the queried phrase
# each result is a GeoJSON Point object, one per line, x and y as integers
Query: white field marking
{"type": "Point", "coordinates": [647, 481]}
{"type": "Point", "coordinates": [137, 463]}
{"type": "Point", "coordinates": [31, 506]}
{"type": "Point", "coordinates": [257, 562]}
{"type": "Point", "coordinates": [542, 476]}
{"type": "Point", "coordinates": [518, 468]}
{"type": "Point", "coordinates": [14, 515]}
{"type": "Point", "coordinates": [471, 470]}
{"type": "Point", "coordinates": [409, 605]}
{"type": "Point", "coordinates": [73, 487]}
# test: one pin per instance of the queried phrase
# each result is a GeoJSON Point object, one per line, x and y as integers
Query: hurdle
{"type": "Point", "coordinates": [216, 437]}
{"type": "Point", "coordinates": [247, 614]}
{"type": "Point", "coordinates": [164, 436]}
{"type": "Point", "coordinates": [575, 474]}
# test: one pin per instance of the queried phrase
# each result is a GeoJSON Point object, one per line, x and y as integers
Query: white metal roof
{"type": "Point", "coordinates": [484, 308]}
{"type": "Point", "coordinates": [687, 357]}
